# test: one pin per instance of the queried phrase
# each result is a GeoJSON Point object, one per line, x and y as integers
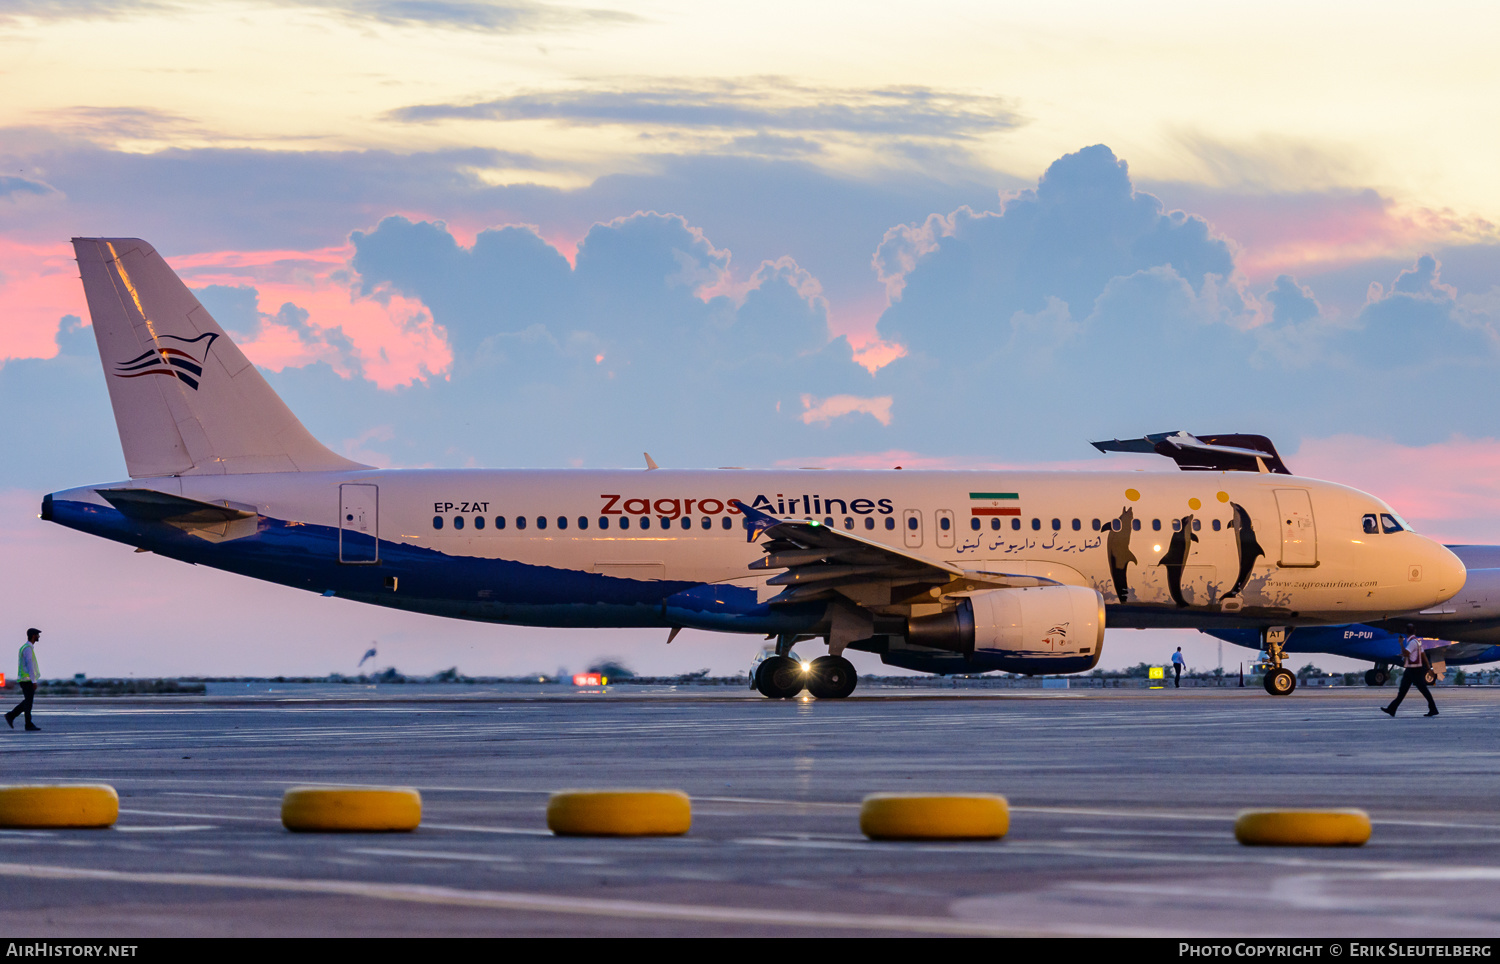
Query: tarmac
{"type": "Point", "coordinates": [1122, 806]}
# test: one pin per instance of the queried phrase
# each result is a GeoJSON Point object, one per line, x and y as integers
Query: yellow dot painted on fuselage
{"type": "Point", "coordinates": [1194, 504]}
{"type": "Point", "coordinates": [1132, 495]}
{"type": "Point", "coordinates": [1223, 496]}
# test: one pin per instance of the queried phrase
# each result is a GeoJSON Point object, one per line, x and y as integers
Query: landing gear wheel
{"type": "Point", "coordinates": [779, 677]}
{"type": "Point", "coordinates": [831, 678]}
{"type": "Point", "coordinates": [1376, 677]}
{"type": "Point", "coordinates": [1280, 682]}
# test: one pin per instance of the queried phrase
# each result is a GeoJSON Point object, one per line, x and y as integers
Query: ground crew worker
{"type": "Point", "coordinates": [26, 674]}
{"type": "Point", "coordinates": [1177, 663]}
{"type": "Point", "coordinates": [1417, 664]}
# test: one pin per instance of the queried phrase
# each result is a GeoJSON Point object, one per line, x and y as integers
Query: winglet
{"type": "Point", "coordinates": [758, 521]}
{"type": "Point", "coordinates": [650, 462]}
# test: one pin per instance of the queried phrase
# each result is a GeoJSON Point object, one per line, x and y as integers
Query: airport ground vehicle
{"type": "Point", "coordinates": [986, 570]}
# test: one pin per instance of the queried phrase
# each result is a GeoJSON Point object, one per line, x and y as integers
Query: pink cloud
{"type": "Point", "coordinates": [38, 286]}
{"type": "Point", "coordinates": [828, 409]}
{"type": "Point", "coordinates": [1300, 233]}
{"type": "Point", "coordinates": [1449, 490]}
{"type": "Point", "coordinates": [394, 338]}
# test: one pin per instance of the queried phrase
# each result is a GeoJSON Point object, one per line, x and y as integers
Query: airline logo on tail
{"type": "Point", "coordinates": [178, 363]}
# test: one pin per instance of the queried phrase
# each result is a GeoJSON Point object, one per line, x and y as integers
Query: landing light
{"type": "Point", "coordinates": [1156, 548]}
{"type": "Point", "coordinates": [807, 667]}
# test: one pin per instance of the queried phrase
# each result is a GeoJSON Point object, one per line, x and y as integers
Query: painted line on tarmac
{"type": "Point", "coordinates": [198, 816]}
{"type": "Point", "coordinates": [522, 831]}
{"type": "Point", "coordinates": [542, 903]}
{"type": "Point", "coordinates": [177, 828]}
{"type": "Point", "coordinates": [433, 855]}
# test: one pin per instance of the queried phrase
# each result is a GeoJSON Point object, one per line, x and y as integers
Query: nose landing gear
{"type": "Point", "coordinates": [1278, 681]}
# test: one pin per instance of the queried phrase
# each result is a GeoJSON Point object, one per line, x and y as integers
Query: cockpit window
{"type": "Point", "coordinates": [1372, 527]}
{"type": "Point", "coordinates": [1389, 523]}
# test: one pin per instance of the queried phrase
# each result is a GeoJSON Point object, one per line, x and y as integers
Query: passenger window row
{"type": "Point", "coordinates": [1077, 524]}
{"type": "Point", "coordinates": [706, 523]}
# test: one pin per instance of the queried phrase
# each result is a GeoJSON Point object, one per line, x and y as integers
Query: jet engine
{"type": "Point", "coordinates": [1049, 629]}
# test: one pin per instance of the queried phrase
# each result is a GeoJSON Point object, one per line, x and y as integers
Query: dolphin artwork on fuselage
{"type": "Point", "coordinates": [1176, 557]}
{"type": "Point", "coordinates": [1250, 550]}
{"type": "Point", "coordinates": [1117, 544]}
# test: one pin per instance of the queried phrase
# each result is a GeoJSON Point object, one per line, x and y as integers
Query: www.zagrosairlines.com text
{"type": "Point", "coordinates": [1332, 949]}
{"type": "Point", "coordinates": [52, 949]}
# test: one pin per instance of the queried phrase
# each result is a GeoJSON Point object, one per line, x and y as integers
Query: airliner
{"type": "Point", "coordinates": [997, 570]}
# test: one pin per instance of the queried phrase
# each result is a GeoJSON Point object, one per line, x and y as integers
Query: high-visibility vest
{"type": "Point", "coordinates": [28, 669]}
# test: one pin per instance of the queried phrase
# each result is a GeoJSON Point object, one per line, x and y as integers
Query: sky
{"type": "Point", "coordinates": [545, 234]}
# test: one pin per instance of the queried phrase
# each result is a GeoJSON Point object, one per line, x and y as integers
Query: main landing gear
{"type": "Point", "coordinates": [1278, 681]}
{"type": "Point", "coordinates": [781, 677]}
{"type": "Point", "coordinates": [1378, 676]}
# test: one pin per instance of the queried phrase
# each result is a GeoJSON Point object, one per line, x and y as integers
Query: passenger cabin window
{"type": "Point", "coordinates": [520, 522]}
{"type": "Point", "coordinates": [945, 523]}
{"type": "Point", "coordinates": [1115, 525]}
{"type": "Point", "coordinates": [624, 522]}
{"type": "Point", "coordinates": [848, 522]}
{"type": "Point", "coordinates": [1155, 525]}
{"type": "Point", "coordinates": [912, 523]}
{"type": "Point", "coordinates": [828, 521]}
{"type": "Point", "coordinates": [479, 522]}
{"type": "Point", "coordinates": [1389, 523]}
{"type": "Point", "coordinates": [1197, 525]}
{"type": "Point", "coordinates": [1135, 524]}
{"type": "Point", "coordinates": [995, 524]}
{"type": "Point", "coordinates": [541, 522]}
{"type": "Point", "coordinates": [583, 522]}
{"type": "Point", "coordinates": [1216, 525]}
{"type": "Point", "coordinates": [974, 523]}
{"type": "Point", "coordinates": [499, 522]}
{"type": "Point", "coordinates": [1372, 525]}
{"type": "Point", "coordinates": [1056, 524]}
{"type": "Point", "coordinates": [1176, 525]}
{"type": "Point", "coordinates": [1036, 524]}
{"type": "Point", "coordinates": [604, 522]}
{"type": "Point", "coordinates": [1079, 525]}
{"type": "Point", "coordinates": [708, 523]}
{"type": "Point", "coordinates": [890, 522]}
{"type": "Point", "coordinates": [1096, 525]}
{"type": "Point", "coordinates": [687, 523]}
{"type": "Point", "coordinates": [458, 522]}
{"type": "Point", "coordinates": [437, 522]}
{"type": "Point", "coordinates": [869, 522]}
{"type": "Point", "coordinates": [562, 522]}
{"type": "Point", "coordinates": [728, 522]}
{"type": "Point", "coordinates": [645, 521]}
{"type": "Point", "coordinates": [1015, 524]}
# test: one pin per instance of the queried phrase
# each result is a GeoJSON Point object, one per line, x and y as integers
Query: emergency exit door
{"type": "Point", "coordinates": [911, 528]}
{"type": "Point", "coordinates": [1299, 536]}
{"type": "Point", "coordinates": [359, 524]}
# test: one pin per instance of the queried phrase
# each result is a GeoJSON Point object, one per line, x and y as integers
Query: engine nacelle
{"type": "Point", "coordinates": [1049, 629]}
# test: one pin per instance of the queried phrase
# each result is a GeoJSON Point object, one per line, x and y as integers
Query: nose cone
{"type": "Point", "coordinates": [1443, 572]}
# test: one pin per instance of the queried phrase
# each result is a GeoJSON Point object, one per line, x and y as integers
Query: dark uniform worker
{"type": "Point", "coordinates": [26, 674]}
{"type": "Point", "coordinates": [1417, 664]}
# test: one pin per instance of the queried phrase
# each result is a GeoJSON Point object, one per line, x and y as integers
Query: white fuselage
{"type": "Point", "coordinates": [616, 547]}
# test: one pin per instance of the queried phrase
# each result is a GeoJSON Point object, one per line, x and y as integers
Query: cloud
{"type": "Point", "coordinates": [827, 409]}
{"type": "Point", "coordinates": [15, 187]}
{"type": "Point", "coordinates": [759, 104]}
{"type": "Point", "coordinates": [448, 14]}
{"type": "Point", "coordinates": [1082, 226]}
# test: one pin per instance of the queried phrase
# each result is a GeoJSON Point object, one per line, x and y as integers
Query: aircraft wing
{"type": "Point", "coordinates": [823, 562]}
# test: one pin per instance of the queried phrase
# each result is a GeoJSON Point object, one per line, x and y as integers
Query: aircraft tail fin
{"type": "Point", "coordinates": [186, 399]}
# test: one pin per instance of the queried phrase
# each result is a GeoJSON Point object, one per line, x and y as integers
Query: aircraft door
{"type": "Point", "coordinates": [359, 524]}
{"type": "Point", "coordinates": [947, 528]}
{"type": "Point", "coordinates": [1299, 536]}
{"type": "Point", "coordinates": [911, 528]}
